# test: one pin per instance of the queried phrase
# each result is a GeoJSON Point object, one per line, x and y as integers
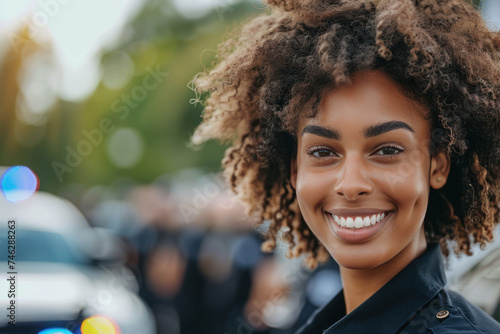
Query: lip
{"type": "Point", "coordinates": [361, 234]}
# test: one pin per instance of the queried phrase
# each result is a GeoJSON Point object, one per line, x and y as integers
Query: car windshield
{"type": "Point", "coordinates": [42, 246]}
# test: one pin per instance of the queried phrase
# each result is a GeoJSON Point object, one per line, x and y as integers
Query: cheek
{"type": "Point", "coordinates": [408, 178]}
{"type": "Point", "coordinates": [311, 191]}
{"type": "Point", "coordinates": [407, 186]}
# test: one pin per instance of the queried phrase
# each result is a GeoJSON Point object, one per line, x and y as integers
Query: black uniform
{"type": "Point", "coordinates": [412, 302]}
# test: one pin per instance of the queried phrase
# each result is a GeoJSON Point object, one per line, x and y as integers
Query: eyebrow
{"type": "Point", "coordinates": [371, 131]}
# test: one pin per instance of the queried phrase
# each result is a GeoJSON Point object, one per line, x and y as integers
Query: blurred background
{"type": "Point", "coordinates": [132, 230]}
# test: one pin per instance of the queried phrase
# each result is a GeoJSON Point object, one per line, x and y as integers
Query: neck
{"type": "Point", "coordinates": [359, 285]}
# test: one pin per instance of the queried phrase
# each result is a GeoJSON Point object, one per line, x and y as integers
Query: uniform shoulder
{"type": "Point", "coordinates": [464, 317]}
{"type": "Point", "coordinates": [450, 313]}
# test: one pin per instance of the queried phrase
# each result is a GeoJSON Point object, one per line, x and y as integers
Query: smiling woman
{"type": "Point", "coordinates": [367, 131]}
{"type": "Point", "coordinates": [349, 173]}
{"type": "Point", "coordinates": [354, 186]}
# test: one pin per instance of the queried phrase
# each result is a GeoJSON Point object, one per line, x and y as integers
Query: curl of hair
{"type": "Point", "coordinates": [438, 51]}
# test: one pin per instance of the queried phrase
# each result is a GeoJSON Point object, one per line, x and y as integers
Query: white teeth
{"type": "Point", "coordinates": [358, 221]}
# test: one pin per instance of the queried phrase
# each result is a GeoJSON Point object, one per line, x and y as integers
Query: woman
{"type": "Point", "coordinates": [368, 131]}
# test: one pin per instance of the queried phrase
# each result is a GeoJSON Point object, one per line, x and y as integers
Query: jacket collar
{"type": "Point", "coordinates": [402, 296]}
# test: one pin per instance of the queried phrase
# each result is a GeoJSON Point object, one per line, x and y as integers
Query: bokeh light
{"type": "Point", "coordinates": [117, 69]}
{"type": "Point", "coordinates": [125, 147]}
{"type": "Point", "coordinates": [55, 331]}
{"type": "Point", "coordinates": [18, 183]}
{"type": "Point", "coordinates": [99, 325]}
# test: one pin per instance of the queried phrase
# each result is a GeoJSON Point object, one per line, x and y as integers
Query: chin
{"type": "Point", "coordinates": [358, 264]}
{"type": "Point", "coordinates": [359, 258]}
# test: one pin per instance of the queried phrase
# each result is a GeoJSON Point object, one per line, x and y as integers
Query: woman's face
{"type": "Point", "coordinates": [363, 172]}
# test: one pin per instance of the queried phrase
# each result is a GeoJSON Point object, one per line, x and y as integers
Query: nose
{"type": "Point", "coordinates": [352, 180]}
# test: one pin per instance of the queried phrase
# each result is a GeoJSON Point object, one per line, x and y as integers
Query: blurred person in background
{"type": "Point", "coordinates": [200, 271]}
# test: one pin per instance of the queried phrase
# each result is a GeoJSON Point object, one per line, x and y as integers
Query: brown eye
{"type": "Point", "coordinates": [390, 150]}
{"type": "Point", "coordinates": [320, 152]}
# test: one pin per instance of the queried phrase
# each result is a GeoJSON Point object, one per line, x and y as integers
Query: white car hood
{"type": "Point", "coordinates": [54, 291]}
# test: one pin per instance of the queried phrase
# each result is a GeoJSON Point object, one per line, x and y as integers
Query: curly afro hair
{"type": "Point", "coordinates": [273, 70]}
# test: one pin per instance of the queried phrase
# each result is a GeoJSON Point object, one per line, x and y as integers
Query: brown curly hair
{"type": "Point", "coordinates": [278, 65]}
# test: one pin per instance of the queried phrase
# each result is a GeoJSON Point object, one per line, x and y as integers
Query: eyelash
{"type": "Point", "coordinates": [315, 149]}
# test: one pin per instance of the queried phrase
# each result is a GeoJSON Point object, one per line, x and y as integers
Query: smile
{"type": "Point", "coordinates": [358, 222]}
{"type": "Point", "coordinates": [350, 226]}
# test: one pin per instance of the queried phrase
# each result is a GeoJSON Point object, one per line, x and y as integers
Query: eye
{"type": "Point", "coordinates": [320, 152]}
{"type": "Point", "coordinates": [390, 150]}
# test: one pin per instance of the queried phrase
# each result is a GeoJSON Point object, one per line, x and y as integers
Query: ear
{"type": "Point", "coordinates": [440, 169]}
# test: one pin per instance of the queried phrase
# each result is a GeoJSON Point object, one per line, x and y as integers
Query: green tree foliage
{"type": "Point", "coordinates": [143, 88]}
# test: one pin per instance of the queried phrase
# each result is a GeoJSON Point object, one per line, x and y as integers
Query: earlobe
{"type": "Point", "coordinates": [440, 169]}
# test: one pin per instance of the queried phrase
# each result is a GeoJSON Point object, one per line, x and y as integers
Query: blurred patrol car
{"type": "Point", "coordinates": [58, 276]}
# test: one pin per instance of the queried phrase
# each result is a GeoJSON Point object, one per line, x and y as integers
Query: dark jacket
{"type": "Point", "coordinates": [412, 302]}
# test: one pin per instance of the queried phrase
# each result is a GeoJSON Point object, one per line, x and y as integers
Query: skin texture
{"type": "Point", "coordinates": [357, 172]}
